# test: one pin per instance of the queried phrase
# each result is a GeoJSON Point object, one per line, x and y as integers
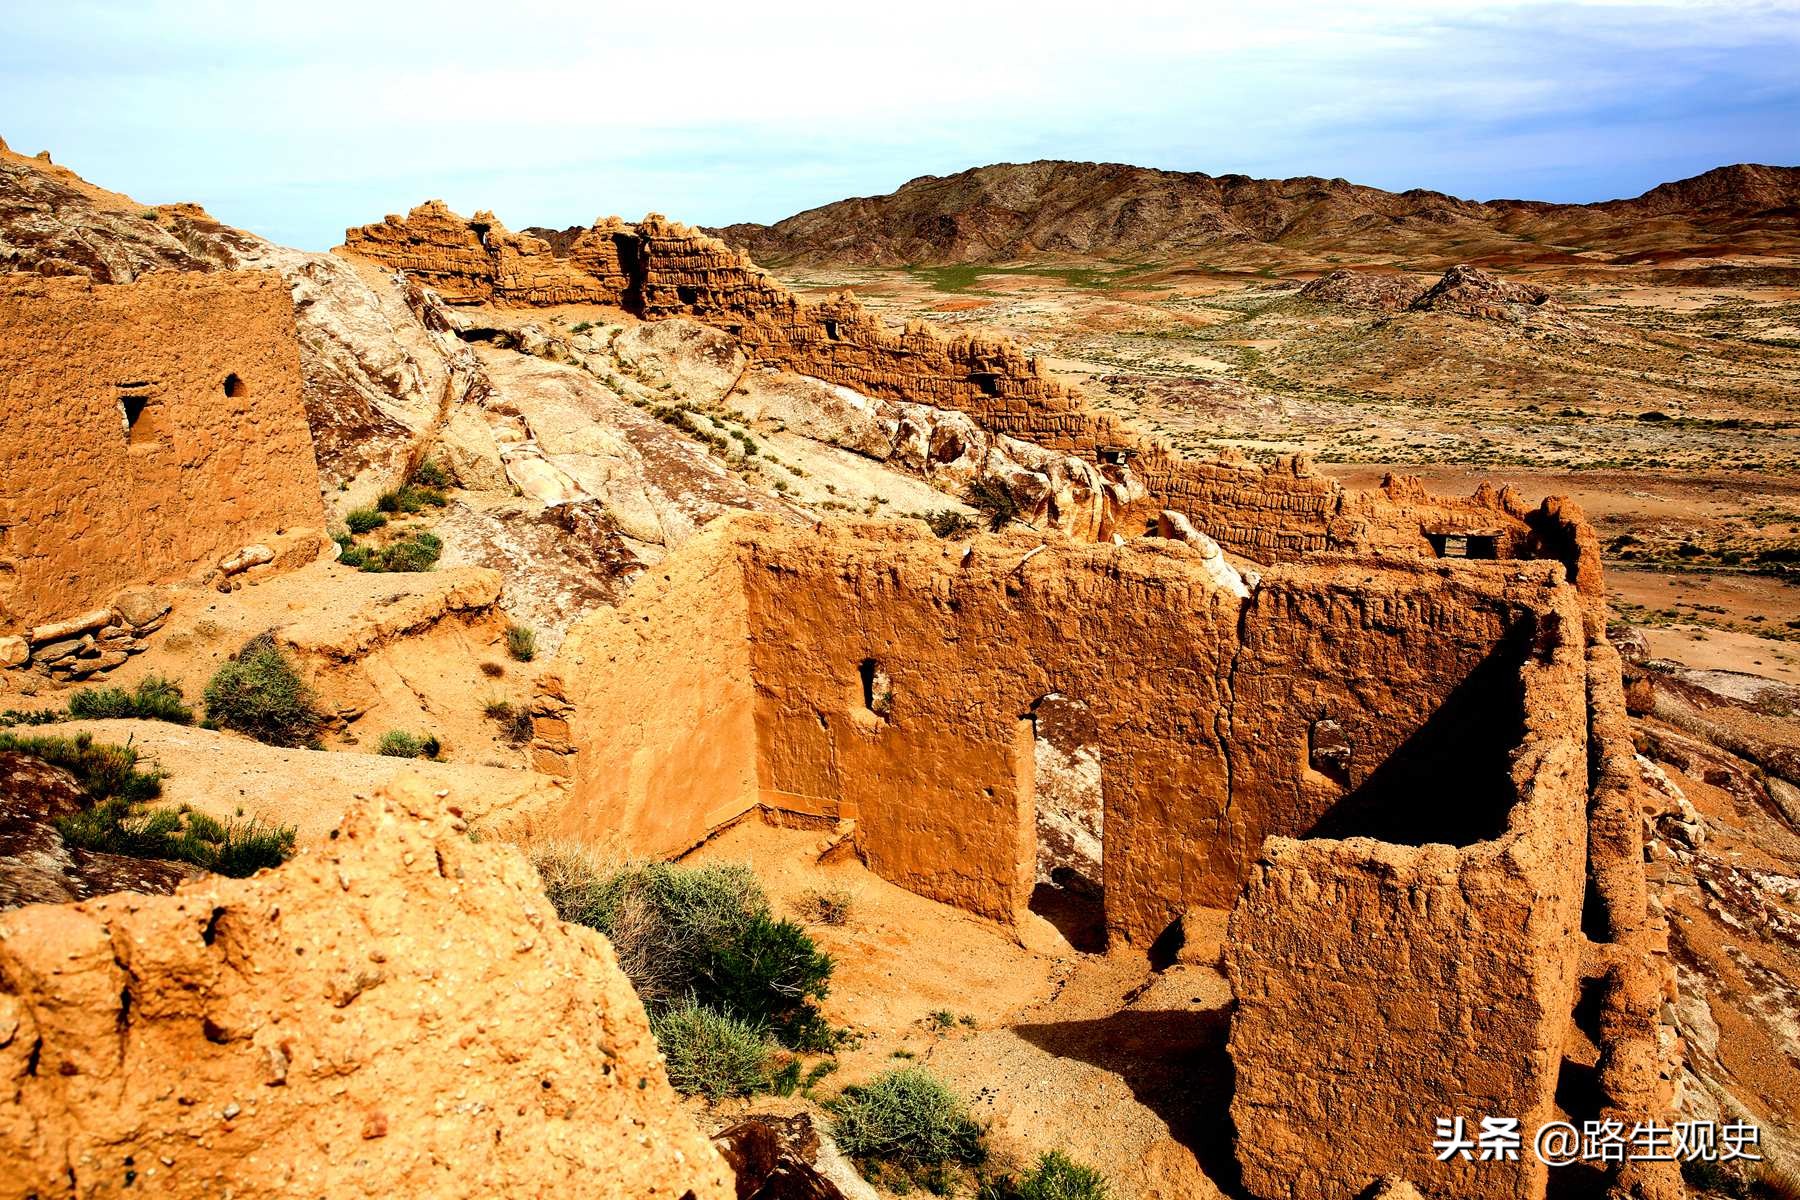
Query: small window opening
{"type": "Point", "coordinates": [831, 329]}
{"type": "Point", "coordinates": [140, 423]}
{"type": "Point", "coordinates": [987, 381]}
{"type": "Point", "coordinates": [688, 296]}
{"type": "Point", "coordinates": [878, 689]}
{"type": "Point", "coordinates": [1483, 546]}
{"type": "Point", "coordinates": [234, 387]}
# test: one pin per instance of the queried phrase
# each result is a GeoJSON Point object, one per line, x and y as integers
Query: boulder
{"type": "Point", "coordinates": [141, 607]}
{"type": "Point", "coordinates": [14, 651]}
{"type": "Point", "coordinates": [57, 631]}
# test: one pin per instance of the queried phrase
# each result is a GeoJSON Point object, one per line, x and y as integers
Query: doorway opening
{"type": "Point", "coordinates": [1070, 821]}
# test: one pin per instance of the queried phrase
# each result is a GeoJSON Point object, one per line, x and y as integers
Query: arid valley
{"type": "Point", "coordinates": [1062, 681]}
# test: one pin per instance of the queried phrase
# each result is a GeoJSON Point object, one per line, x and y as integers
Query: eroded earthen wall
{"type": "Point", "coordinates": [658, 269]}
{"type": "Point", "coordinates": [647, 709]}
{"type": "Point", "coordinates": [894, 680]}
{"type": "Point", "coordinates": [1382, 986]}
{"type": "Point", "coordinates": [147, 429]}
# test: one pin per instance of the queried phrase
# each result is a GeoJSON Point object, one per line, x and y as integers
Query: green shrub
{"type": "Point", "coordinates": [521, 642]}
{"type": "Point", "coordinates": [431, 474]}
{"type": "Point", "coordinates": [354, 556]}
{"type": "Point", "coordinates": [397, 743]}
{"type": "Point", "coordinates": [711, 1054]}
{"type": "Point", "coordinates": [990, 497]}
{"type": "Point", "coordinates": [103, 772]}
{"type": "Point", "coordinates": [229, 847]}
{"type": "Point", "coordinates": [361, 520]}
{"type": "Point", "coordinates": [1055, 1177]}
{"type": "Point", "coordinates": [906, 1117]}
{"type": "Point", "coordinates": [514, 721]}
{"type": "Point", "coordinates": [702, 933]}
{"type": "Point", "coordinates": [260, 693]}
{"type": "Point", "coordinates": [154, 699]}
{"type": "Point", "coordinates": [416, 552]}
{"type": "Point", "coordinates": [410, 498]}
{"type": "Point", "coordinates": [31, 716]}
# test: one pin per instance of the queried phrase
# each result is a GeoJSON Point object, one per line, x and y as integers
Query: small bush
{"type": "Point", "coordinates": [514, 721]}
{"type": "Point", "coordinates": [521, 642]}
{"type": "Point", "coordinates": [702, 933]}
{"type": "Point", "coordinates": [362, 520]}
{"type": "Point", "coordinates": [431, 474]}
{"type": "Point", "coordinates": [410, 498]}
{"type": "Point", "coordinates": [31, 716]}
{"type": "Point", "coordinates": [950, 523]}
{"type": "Point", "coordinates": [710, 1054]}
{"type": "Point", "coordinates": [826, 906]}
{"type": "Point", "coordinates": [1055, 1177]}
{"type": "Point", "coordinates": [905, 1116]}
{"type": "Point", "coordinates": [260, 693]}
{"type": "Point", "coordinates": [154, 699]}
{"type": "Point", "coordinates": [397, 743]}
{"type": "Point", "coordinates": [990, 496]}
{"type": "Point", "coordinates": [417, 552]}
{"type": "Point", "coordinates": [493, 670]}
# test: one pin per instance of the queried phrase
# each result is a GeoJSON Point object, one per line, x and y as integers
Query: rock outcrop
{"type": "Point", "coordinates": [398, 1012]}
{"type": "Point", "coordinates": [1471, 292]}
{"type": "Point", "coordinates": [1363, 289]}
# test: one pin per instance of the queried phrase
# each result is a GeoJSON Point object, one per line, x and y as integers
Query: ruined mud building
{"type": "Point", "coordinates": [1408, 777]}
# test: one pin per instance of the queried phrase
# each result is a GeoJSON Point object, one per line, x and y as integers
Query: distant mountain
{"type": "Point", "coordinates": [1012, 211]}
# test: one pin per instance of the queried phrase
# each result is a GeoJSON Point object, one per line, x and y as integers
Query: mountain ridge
{"type": "Point", "coordinates": [1012, 211]}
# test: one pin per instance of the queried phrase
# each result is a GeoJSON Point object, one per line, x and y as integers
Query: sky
{"type": "Point", "coordinates": [298, 119]}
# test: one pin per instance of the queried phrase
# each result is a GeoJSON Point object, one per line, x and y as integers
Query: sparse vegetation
{"type": "Point", "coordinates": [514, 720]}
{"type": "Point", "coordinates": [990, 496]}
{"type": "Point", "coordinates": [521, 642]}
{"type": "Point", "coordinates": [262, 694]}
{"type": "Point", "coordinates": [431, 474]}
{"type": "Point", "coordinates": [826, 906]}
{"type": "Point", "coordinates": [416, 552]}
{"type": "Point", "coordinates": [906, 1118]}
{"type": "Point", "coordinates": [398, 743]}
{"type": "Point", "coordinates": [411, 498]}
{"type": "Point", "coordinates": [1056, 1176]}
{"type": "Point", "coordinates": [362, 520]}
{"type": "Point", "coordinates": [950, 523]}
{"type": "Point", "coordinates": [154, 699]}
{"type": "Point", "coordinates": [116, 822]}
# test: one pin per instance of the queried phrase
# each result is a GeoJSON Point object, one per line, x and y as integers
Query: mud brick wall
{"type": "Point", "coordinates": [1380, 986]}
{"type": "Point", "coordinates": [147, 429]}
{"type": "Point", "coordinates": [647, 708]}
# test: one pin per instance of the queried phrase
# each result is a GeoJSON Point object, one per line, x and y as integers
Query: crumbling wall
{"type": "Point", "coordinates": [396, 1012]}
{"type": "Point", "coordinates": [1381, 986]}
{"type": "Point", "coordinates": [148, 429]}
{"type": "Point", "coordinates": [647, 708]}
{"type": "Point", "coordinates": [894, 679]}
{"type": "Point", "coordinates": [658, 269]}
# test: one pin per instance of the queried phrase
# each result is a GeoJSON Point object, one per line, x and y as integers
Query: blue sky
{"type": "Point", "coordinates": [297, 119]}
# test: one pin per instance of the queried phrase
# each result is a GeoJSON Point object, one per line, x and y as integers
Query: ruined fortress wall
{"type": "Point", "coordinates": [658, 269]}
{"type": "Point", "coordinates": [1381, 986]}
{"type": "Point", "coordinates": [894, 681]}
{"type": "Point", "coordinates": [647, 708]}
{"type": "Point", "coordinates": [938, 772]}
{"type": "Point", "coordinates": [218, 455]}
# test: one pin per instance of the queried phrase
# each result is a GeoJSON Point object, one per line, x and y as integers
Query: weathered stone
{"type": "Point", "coordinates": [244, 559]}
{"type": "Point", "coordinates": [139, 607]}
{"type": "Point", "coordinates": [14, 651]}
{"type": "Point", "coordinates": [57, 631]}
{"type": "Point", "coordinates": [56, 651]}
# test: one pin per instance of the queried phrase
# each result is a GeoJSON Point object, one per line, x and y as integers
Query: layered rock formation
{"type": "Point", "coordinates": [1475, 293]}
{"type": "Point", "coordinates": [1363, 289]}
{"type": "Point", "coordinates": [398, 1012]}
